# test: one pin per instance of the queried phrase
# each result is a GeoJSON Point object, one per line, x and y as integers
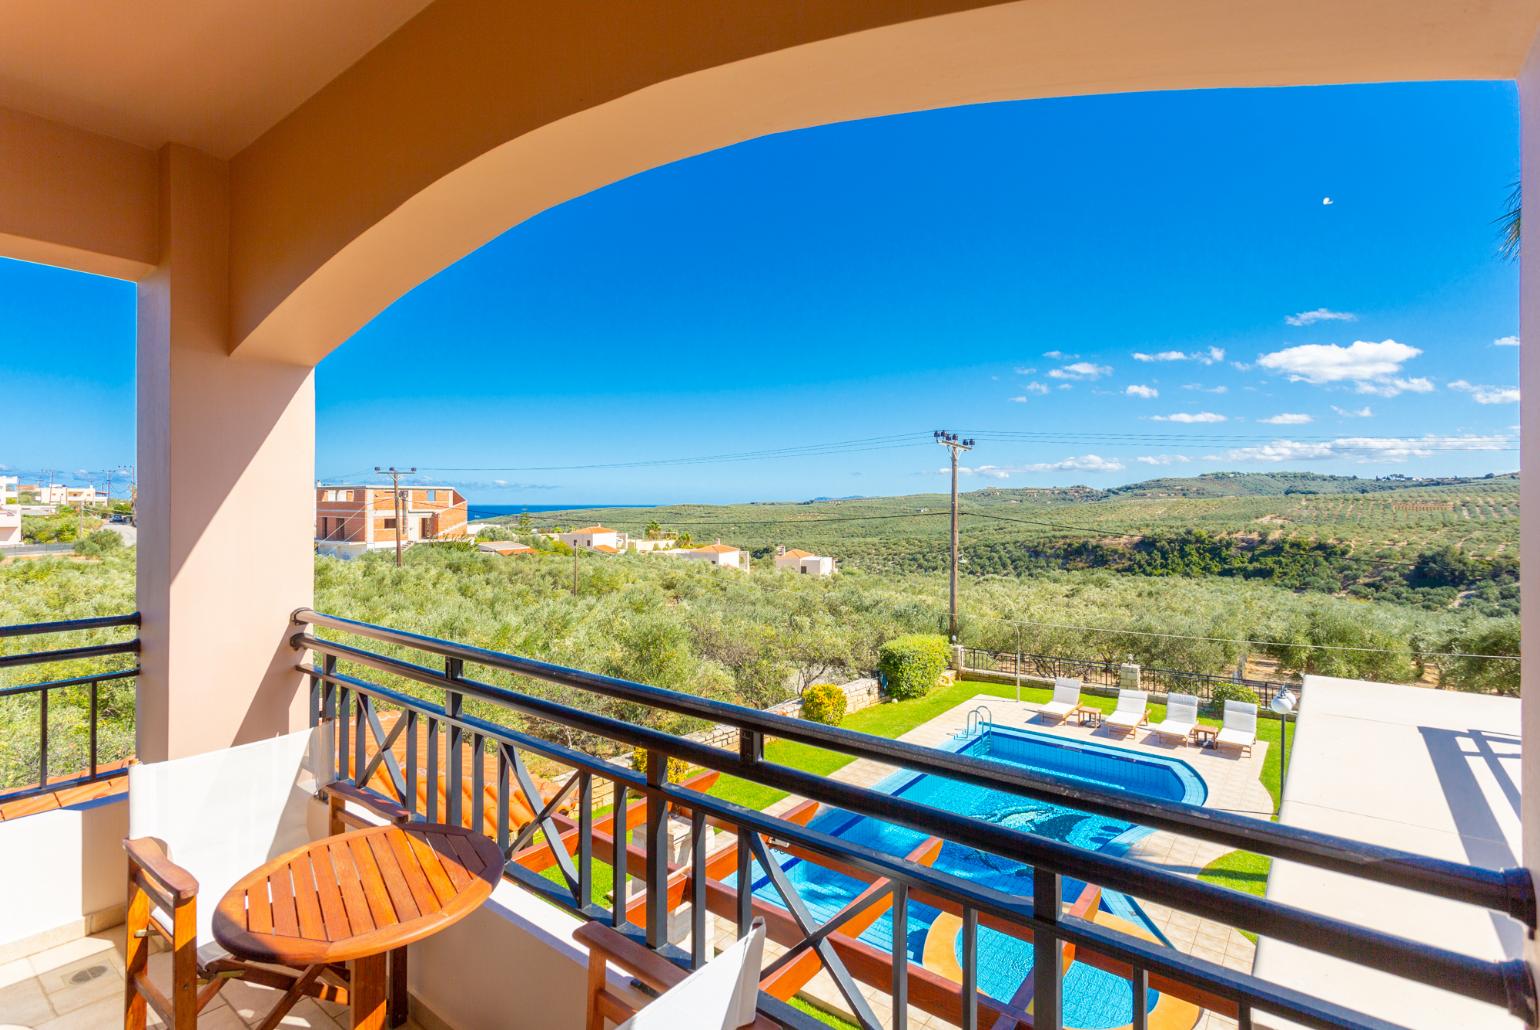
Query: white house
{"type": "Point", "coordinates": [594, 537]}
{"type": "Point", "coordinates": [643, 545]}
{"type": "Point", "coordinates": [10, 512]}
{"type": "Point", "coordinates": [719, 554]}
{"type": "Point", "coordinates": [804, 563]}
{"type": "Point", "coordinates": [58, 493]}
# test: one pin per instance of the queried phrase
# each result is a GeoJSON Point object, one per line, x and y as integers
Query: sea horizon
{"type": "Point", "coordinates": [476, 512]}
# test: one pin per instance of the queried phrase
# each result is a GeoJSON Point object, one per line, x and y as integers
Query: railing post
{"type": "Point", "coordinates": [657, 850]}
{"type": "Point", "coordinates": [42, 765]}
{"type": "Point", "coordinates": [618, 834]}
{"type": "Point", "coordinates": [585, 855]}
{"type": "Point", "coordinates": [454, 669]}
{"type": "Point", "coordinates": [900, 956]}
{"type": "Point", "coordinates": [329, 708]}
{"type": "Point", "coordinates": [95, 685]}
{"type": "Point", "coordinates": [1047, 958]}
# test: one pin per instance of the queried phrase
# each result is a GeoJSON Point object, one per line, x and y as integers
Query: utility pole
{"type": "Point", "coordinates": [395, 475]}
{"type": "Point", "coordinates": [953, 443]}
{"type": "Point", "coordinates": [574, 568]}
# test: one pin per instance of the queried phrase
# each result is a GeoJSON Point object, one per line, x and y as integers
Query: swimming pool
{"type": "Point", "coordinates": [1093, 999]}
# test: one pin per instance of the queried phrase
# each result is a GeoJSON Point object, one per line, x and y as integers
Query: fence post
{"type": "Point", "coordinates": [1018, 663]}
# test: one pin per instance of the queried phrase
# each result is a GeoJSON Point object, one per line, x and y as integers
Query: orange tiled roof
{"type": "Point", "coordinates": [606, 548]}
{"type": "Point", "coordinates": [799, 554]}
{"type": "Point", "coordinates": [716, 548]}
{"type": "Point", "coordinates": [594, 529]}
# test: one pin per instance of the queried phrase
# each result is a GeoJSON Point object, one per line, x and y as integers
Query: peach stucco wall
{"type": "Point", "coordinates": [226, 453]}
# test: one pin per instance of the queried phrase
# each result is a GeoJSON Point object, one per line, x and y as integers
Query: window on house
{"type": "Point", "coordinates": [390, 523]}
{"type": "Point", "coordinates": [347, 495]}
{"type": "Point", "coordinates": [432, 495]}
{"type": "Point", "coordinates": [323, 527]}
{"type": "Point", "coordinates": [330, 495]}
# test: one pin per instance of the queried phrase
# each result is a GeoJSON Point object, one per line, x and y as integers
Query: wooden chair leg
{"type": "Point", "coordinates": [137, 953]}
{"type": "Point", "coordinates": [290, 997]}
{"type": "Point", "coordinates": [184, 967]}
{"type": "Point", "coordinates": [368, 991]}
{"type": "Point", "coordinates": [400, 1000]}
{"type": "Point", "coordinates": [596, 984]}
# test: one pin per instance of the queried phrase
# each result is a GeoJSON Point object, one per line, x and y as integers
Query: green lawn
{"type": "Point", "coordinates": [1239, 871]}
{"type": "Point", "coordinates": [895, 718]}
{"type": "Point", "coordinates": [890, 719]}
{"type": "Point", "coordinates": [823, 1017]}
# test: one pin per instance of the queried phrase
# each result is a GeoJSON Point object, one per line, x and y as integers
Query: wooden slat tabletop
{"type": "Point", "coordinates": [357, 894]}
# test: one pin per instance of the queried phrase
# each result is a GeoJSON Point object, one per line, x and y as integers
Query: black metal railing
{"type": "Point", "coordinates": [82, 708]}
{"type": "Point", "coordinates": [453, 730]}
{"type": "Point", "coordinates": [1095, 672]}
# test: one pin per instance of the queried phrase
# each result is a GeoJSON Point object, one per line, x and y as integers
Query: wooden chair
{"type": "Point", "coordinates": [721, 995]}
{"type": "Point", "coordinates": [197, 825]}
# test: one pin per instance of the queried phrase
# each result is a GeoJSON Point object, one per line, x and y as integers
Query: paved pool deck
{"type": "Point", "coordinates": [1234, 784]}
{"type": "Point", "coordinates": [1435, 772]}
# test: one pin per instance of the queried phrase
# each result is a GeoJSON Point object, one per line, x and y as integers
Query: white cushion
{"type": "Point", "coordinates": [1237, 737]}
{"type": "Point", "coordinates": [721, 995]}
{"type": "Point", "coordinates": [223, 813]}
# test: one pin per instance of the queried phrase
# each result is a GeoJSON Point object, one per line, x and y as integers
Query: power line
{"type": "Point", "coordinates": [667, 522]}
{"type": "Point", "coordinates": [874, 443]}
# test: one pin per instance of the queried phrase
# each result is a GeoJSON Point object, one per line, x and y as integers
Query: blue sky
{"type": "Point", "coordinates": [1155, 281]}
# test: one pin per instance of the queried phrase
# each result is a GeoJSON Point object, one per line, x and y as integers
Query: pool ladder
{"type": "Point", "coordinates": [980, 721]}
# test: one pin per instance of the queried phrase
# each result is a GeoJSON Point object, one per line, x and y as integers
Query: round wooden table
{"type": "Point", "coordinates": [355, 898]}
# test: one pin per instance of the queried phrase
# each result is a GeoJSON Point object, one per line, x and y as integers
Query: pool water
{"type": "Point", "coordinates": [1093, 999]}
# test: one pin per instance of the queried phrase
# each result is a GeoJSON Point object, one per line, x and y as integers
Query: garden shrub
{"type": "Point", "coordinates": [678, 768]}
{"type": "Point", "coordinates": [825, 703]}
{"type": "Point", "coordinates": [912, 664]}
{"type": "Point", "coordinates": [98, 543]}
{"type": "Point", "coordinates": [1231, 692]}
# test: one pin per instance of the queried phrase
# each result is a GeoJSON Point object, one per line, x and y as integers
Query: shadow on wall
{"type": "Point", "coordinates": [1475, 768]}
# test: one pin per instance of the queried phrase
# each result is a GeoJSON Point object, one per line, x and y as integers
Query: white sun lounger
{"type": "Point", "coordinates": [1132, 710]}
{"type": "Point", "coordinates": [1181, 717]}
{"type": "Point", "coordinates": [1240, 726]}
{"type": "Point", "coordinates": [1066, 698]}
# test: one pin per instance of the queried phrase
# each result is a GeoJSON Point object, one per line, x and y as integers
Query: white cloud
{"type": "Point", "coordinates": [1080, 370]}
{"type": "Point", "coordinates": [1137, 390]}
{"type": "Point", "coordinates": [1199, 387]}
{"type": "Point", "coordinates": [1065, 386]}
{"type": "Point", "coordinates": [1373, 368]}
{"type": "Point", "coordinates": [1082, 463]}
{"type": "Point", "coordinates": [1506, 341]}
{"type": "Point", "coordinates": [1487, 394]}
{"type": "Point", "coordinates": [1021, 371]}
{"type": "Point", "coordinates": [1019, 400]}
{"type": "Point", "coordinates": [1038, 388]}
{"type": "Point", "coordinates": [1320, 315]}
{"type": "Point", "coordinates": [1368, 448]}
{"type": "Point", "coordinates": [1205, 357]}
{"type": "Point", "coordinates": [1163, 459]}
{"type": "Point", "coordinates": [1288, 419]}
{"type": "Point", "coordinates": [1363, 412]}
{"type": "Point", "coordinates": [1058, 355]}
{"type": "Point", "coordinates": [1395, 387]}
{"type": "Point", "coordinates": [1189, 416]}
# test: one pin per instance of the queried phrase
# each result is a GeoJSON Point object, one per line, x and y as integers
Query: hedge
{"type": "Point", "coordinates": [825, 703]}
{"type": "Point", "coordinates": [912, 664]}
{"type": "Point", "coordinates": [1230, 692]}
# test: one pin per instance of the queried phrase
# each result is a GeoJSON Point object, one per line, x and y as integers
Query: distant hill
{"type": "Point", "coordinates": [1275, 484]}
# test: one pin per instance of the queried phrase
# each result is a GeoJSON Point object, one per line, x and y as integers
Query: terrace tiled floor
{"type": "Point", "coordinates": [79, 986]}
{"type": "Point", "coordinates": [1234, 784]}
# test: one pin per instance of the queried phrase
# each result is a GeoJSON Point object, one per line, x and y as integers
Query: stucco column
{"type": "Point", "coordinates": [226, 461]}
{"type": "Point", "coordinates": [1529, 444]}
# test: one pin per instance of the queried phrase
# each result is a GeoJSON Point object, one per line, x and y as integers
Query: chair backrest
{"type": "Point", "coordinates": [223, 813]}
{"type": "Point", "coordinates": [1181, 708]}
{"type": "Point", "coordinates": [721, 995]}
{"type": "Point", "coordinates": [1066, 691]}
{"type": "Point", "coordinates": [1241, 715]}
{"type": "Point", "coordinates": [1132, 700]}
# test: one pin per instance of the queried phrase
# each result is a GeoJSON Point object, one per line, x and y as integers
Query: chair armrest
{"type": "Point", "coordinates": [376, 803]}
{"type": "Point", "coordinates": [148, 855]}
{"type": "Point", "coordinates": [636, 959]}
